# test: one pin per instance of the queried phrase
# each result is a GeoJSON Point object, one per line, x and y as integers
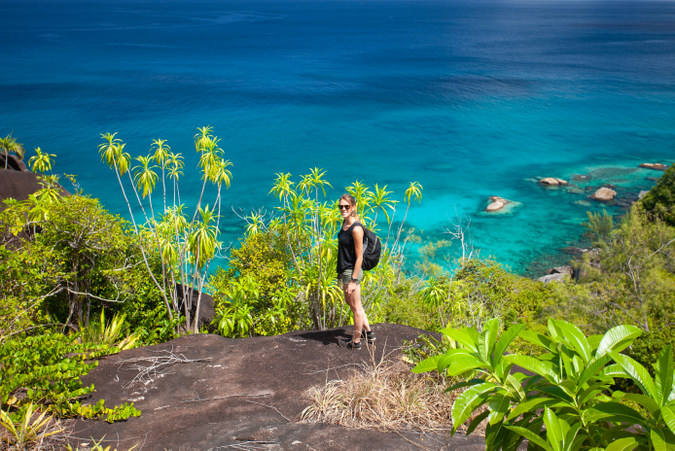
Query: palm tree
{"type": "Point", "coordinates": [283, 187]}
{"type": "Point", "coordinates": [41, 162]}
{"type": "Point", "coordinates": [8, 145]}
{"type": "Point", "coordinates": [380, 200]}
{"type": "Point", "coordinates": [415, 189]}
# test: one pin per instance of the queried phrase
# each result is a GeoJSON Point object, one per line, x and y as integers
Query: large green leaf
{"type": "Point", "coordinates": [613, 370]}
{"type": "Point", "coordinates": [575, 338]}
{"type": "Point", "coordinates": [592, 369]}
{"type": "Point", "coordinates": [555, 391]}
{"type": "Point", "coordinates": [452, 354]}
{"type": "Point", "coordinates": [426, 365]}
{"type": "Point", "coordinates": [664, 374]}
{"type": "Point", "coordinates": [615, 412]}
{"type": "Point", "coordinates": [638, 373]}
{"type": "Point", "coordinates": [572, 435]}
{"type": "Point", "coordinates": [463, 363]}
{"type": "Point", "coordinates": [645, 401]}
{"type": "Point", "coordinates": [462, 336]}
{"type": "Point", "coordinates": [554, 429]}
{"type": "Point", "coordinates": [515, 387]}
{"type": "Point", "coordinates": [488, 339]}
{"type": "Point", "coordinates": [467, 402]}
{"type": "Point", "coordinates": [531, 436]}
{"type": "Point", "coordinates": [505, 340]}
{"type": "Point", "coordinates": [544, 369]}
{"type": "Point", "coordinates": [531, 405]}
{"type": "Point", "coordinates": [588, 395]}
{"type": "Point", "coordinates": [476, 421]}
{"type": "Point", "coordinates": [537, 339]}
{"type": "Point", "coordinates": [659, 441]}
{"type": "Point", "coordinates": [617, 339]}
{"type": "Point", "coordinates": [668, 414]}
{"type": "Point", "coordinates": [499, 406]}
{"type": "Point", "coordinates": [623, 444]}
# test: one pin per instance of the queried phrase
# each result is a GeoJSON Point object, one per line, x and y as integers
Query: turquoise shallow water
{"type": "Point", "coordinates": [471, 99]}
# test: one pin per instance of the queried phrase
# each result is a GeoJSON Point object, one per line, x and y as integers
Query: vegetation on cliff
{"type": "Point", "coordinates": [78, 282]}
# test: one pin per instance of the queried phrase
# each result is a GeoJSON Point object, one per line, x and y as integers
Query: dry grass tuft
{"type": "Point", "coordinates": [385, 396]}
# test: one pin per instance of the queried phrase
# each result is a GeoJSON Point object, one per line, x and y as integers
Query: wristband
{"type": "Point", "coordinates": [354, 280]}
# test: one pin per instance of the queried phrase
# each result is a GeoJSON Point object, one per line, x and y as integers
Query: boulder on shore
{"type": "Point", "coordinates": [604, 194]}
{"type": "Point", "coordinates": [555, 277]}
{"type": "Point", "coordinates": [655, 166]}
{"type": "Point", "coordinates": [566, 269]}
{"type": "Point", "coordinates": [552, 181]}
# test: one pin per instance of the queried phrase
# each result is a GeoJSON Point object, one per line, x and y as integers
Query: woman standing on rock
{"type": "Point", "coordinates": [349, 260]}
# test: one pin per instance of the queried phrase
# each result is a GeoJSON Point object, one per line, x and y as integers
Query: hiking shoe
{"type": "Point", "coordinates": [370, 336]}
{"type": "Point", "coordinates": [349, 344]}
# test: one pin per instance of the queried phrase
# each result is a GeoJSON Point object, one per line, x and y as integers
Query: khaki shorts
{"type": "Point", "coordinates": [346, 276]}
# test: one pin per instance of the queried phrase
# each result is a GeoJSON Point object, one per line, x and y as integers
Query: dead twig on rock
{"type": "Point", "coordinates": [271, 407]}
{"type": "Point", "coordinates": [157, 366]}
{"type": "Point", "coordinates": [248, 445]}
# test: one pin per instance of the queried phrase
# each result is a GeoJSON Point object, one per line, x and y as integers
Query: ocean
{"type": "Point", "coordinates": [469, 98]}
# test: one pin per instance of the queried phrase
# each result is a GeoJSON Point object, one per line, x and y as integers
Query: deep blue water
{"type": "Point", "coordinates": [471, 99]}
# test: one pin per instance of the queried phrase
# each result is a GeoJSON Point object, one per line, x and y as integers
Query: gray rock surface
{"type": "Point", "coordinates": [234, 393]}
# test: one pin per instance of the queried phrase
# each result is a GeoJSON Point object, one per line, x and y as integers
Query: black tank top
{"type": "Point", "coordinates": [346, 256]}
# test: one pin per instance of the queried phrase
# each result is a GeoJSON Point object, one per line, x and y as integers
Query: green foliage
{"type": "Point", "coordinates": [9, 145]}
{"type": "Point", "coordinates": [255, 296]}
{"type": "Point", "coordinates": [45, 369]}
{"type": "Point", "coordinates": [71, 260]}
{"type": "Point", "coordinates": [41, 162]}
{"type": "Point", "coordinates": [484, 289]}
{"type": "Point", "coordinates": [660, 201]}
{"type": "Point", "coordinates": [110, 334]}
{"type": "Point", "coordinates": [599, 226]}
{"type": "Point", "coordinates": [567, 402]}
{"type": "Point", "coordinates": [185, 246]}
{"type": "Point", "coordinates": [23, 431]}
{"type": "Point", "coordinates": [629, 280]}
{"type": "Point", "coordinates": [283, 274]}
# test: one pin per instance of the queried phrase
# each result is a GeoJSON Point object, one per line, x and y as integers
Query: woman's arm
{"type": "Point", "coordinates": [357, 234]}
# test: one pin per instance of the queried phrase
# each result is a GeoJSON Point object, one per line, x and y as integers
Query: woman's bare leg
{"type": "Point", "coordinates": [360, 318]}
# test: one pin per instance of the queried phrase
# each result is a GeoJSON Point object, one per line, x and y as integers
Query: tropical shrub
{"type": "Point", "coordinates": [283, 274]}
{"type": "Point", "coordinates": [45, 369]}
{"type": "Point", "coordinates": [629, 279]}
{"type": "Point", "coordinates": [70, 260]}
{"type": "Point", "coordinates": [567, 401]}
{"type": "Point", "coordinates": [660, 201]}
{"type": "Point", "coordinates": [185, 244]}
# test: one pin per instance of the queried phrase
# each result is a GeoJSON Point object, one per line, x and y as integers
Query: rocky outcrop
{"type": "Point", "coordinates": [557, 277]}
{"type": "Point", "coordinates": [203, 392]}
{"type": "Point", "coordinates": [604, 194]}
{"type": "Point", "coordinates": [655, 166]}
{"type": "Point", "coordinates": [558, 274]}
{"type": "Point", "coordinates": [566, 269]}
{"type": "Point", "coordinates": [14, 163]}
{"type": "Point", "coordinates": [552, 181]}
{"type": "Point", "coordinates": [496, 204]}
{"type": "Point", "coordinates": [17, 184]}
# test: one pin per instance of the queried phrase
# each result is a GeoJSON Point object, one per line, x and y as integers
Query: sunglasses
{"type": "Point", "coordinates": [344, 207]}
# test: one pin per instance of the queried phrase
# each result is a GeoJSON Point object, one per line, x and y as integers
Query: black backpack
{"type": "Point", "coordinates": [371, 249]}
